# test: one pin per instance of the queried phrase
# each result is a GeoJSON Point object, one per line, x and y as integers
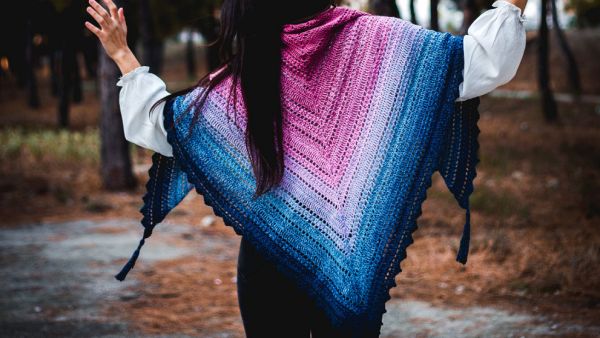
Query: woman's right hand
{"type": "Point", "coordinates": [112, 33]}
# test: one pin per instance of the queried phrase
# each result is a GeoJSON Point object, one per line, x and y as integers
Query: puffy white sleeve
{"type": "Point", "coordinates": [493, 49]}
{"type": "Point", "coordinates": [140, 89]}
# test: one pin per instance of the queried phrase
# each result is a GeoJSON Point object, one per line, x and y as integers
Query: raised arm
{"type": "Point", "coordinates": [493, 48]}
{"type": "Point", "coordinates": [140, 89]}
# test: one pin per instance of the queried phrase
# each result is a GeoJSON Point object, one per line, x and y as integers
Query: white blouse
{"type": "Point", "coordinates": [493, 48]}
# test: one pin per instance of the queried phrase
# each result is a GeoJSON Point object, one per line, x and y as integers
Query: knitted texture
{"type": "Point", "coordinates": [369, 114]}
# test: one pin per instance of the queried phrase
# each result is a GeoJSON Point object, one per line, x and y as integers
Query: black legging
{"type": "Point", "coordinates": [271, 305]}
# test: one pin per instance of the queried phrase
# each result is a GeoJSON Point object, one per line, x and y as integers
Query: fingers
{"type": "Point", "coordinates": [99, 18]}
{"type": "Point", "coordinates": [100, 12]}
{"type": "Point", "coordinates": [122, 17]}
{"type": "Point", "coordinates": [107, 21]}
{"type": "Point", "coordinates": [112, 7]}
{"type": "Point", "coordinates": [93, 28]}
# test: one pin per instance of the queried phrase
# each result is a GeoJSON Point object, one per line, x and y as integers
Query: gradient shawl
{"type": "Point", "coordinates": [369, 116]}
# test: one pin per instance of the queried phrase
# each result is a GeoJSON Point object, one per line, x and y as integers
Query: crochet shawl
{"type": "Point", "coordinates": [369, 115]}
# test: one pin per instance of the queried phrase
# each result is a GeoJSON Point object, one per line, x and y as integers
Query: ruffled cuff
{"type": "Point", "coordinates": [513, 7]}
{"type": "Point", "coordinates": [131, 74]}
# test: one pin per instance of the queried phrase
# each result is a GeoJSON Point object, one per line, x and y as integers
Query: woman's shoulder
{"type": "Point", "coordinates": [379, 25]}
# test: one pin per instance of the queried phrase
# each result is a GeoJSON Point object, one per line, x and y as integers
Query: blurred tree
{"type": "Point", "coordinates": [65, 37]}
{"type": "Point", "coordinates": [587, 12]}
{"type": "Point", "coordinates": [33, 27]}
{"type": "Point", "coordinates": [190, 54]}
{"type": "Point", "coordinates": [471, 10]}
{"type": "Point", "coordinates": [19, 28]}
{"type": "Point", "coordinates": [433, 15]}
{"type": "Point", "coordinates": [564, 46]}
{"type": "Point", "coordinates": [208, 26]}
{"type": "Point", "coordinates": [413, 13]}
{"type": "Point", "coordinates": [115, 161]}
{"type": "Point", "coordinates": [152, 42]}
{"type": "Point", "coordinates": [32, 91]}
{"type": "Point", "coordinates": [384, 7]}
{"type": "Point", "coordinates": [548, 103]}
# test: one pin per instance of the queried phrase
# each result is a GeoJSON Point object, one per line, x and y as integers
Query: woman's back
{"type": "Point", "coordinates": [369, 112]}
{"type": "Point", "coordinates": [342, 72]}
{"type": "Point", "coordinates": [365, 123]}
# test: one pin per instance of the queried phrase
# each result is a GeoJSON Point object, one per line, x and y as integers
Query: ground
{"type": "Point", "coordinates": [533, 267]}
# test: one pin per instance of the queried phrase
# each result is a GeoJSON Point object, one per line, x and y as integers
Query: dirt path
{"type": "Point", "coordinates": [58, 277]}
{"type": "Point", "coordinates": [408, 318]}
{"type": "Point", "coordinates": [58, 282]}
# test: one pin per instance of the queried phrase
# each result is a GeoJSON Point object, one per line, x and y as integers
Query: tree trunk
{"type": "Point", "coordinates": [470, 11]}
{"type": "Point", "coordinates": [385, 7]}
{"type": "Point", "coordinates": [63, 87]}
{"type": "Point", "coordinates": [413, 13]}
{"type": "Point", "coordinates": [433, 14]}
{"type": "Point", "coordinates": [32, 90]}
{"type": "Point", "coordinates": [115, 159]}
{"type": "Point", "coordinates": [69, 82]}
{"type": "Point", "coordinates": [209, 28]}
{"type": "Point", "coordinates": [548, 103]}
{"type": "Point", "coordinates": [190, 55]}
{"type": "Point", "coordinates": [54, 58]}
{"type": "Point", "coordinates": [76, 78]}
{"type": "Point", "coordinates": [564, 46]}
{"type": "Point", "coordinates": [67, 42]}
{"type": "Point", "coordinates": [152, 45]}
{"type": "Point", "coordinates": [89, 48]}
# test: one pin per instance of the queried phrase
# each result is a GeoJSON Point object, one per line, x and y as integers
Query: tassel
{"type": "Point", "coordinates": [463, 250]}
{"type": "Point", "coordinates": [129, 265]}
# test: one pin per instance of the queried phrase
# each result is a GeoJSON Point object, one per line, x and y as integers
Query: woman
{"type": "Point", "coordinates": [295, 58]}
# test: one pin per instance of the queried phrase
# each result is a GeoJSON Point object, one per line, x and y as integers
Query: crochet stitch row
{"type": "Point", "coordinates": [369, 114]}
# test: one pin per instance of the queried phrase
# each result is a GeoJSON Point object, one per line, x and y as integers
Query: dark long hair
{"type": "Point", "coordinates": [249, 45]}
